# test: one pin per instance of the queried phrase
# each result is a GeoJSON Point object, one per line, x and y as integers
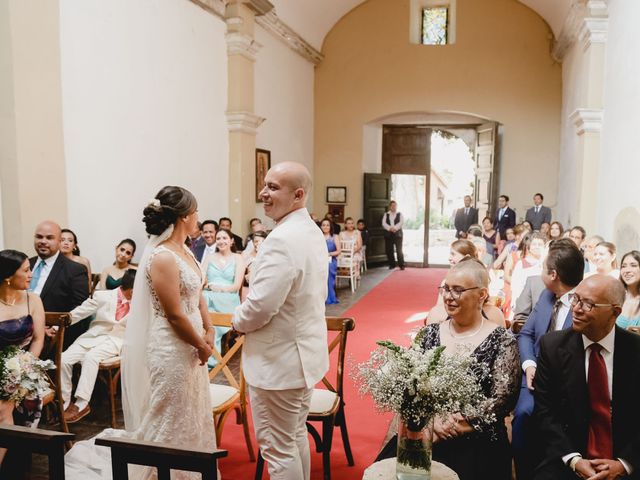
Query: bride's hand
{"type": "Point", "coordinates": [204, 352]}
{"type": "Point", "coordinates": [210, 337]}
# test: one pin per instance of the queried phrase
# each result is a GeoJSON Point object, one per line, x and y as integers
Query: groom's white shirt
{"type": "Point", "coordinates": [283, 315]}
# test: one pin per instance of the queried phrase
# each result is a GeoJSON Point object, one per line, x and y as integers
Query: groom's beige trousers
{"type": "Point", "coordinates": [279, 420]}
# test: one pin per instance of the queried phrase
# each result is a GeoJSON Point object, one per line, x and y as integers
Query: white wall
{"type": "Point", "coordinates": [620, 169]}
{"type": "Point", "coordinates": [144, 94]}
{"type": "Point", "coordinates": [284, 96]}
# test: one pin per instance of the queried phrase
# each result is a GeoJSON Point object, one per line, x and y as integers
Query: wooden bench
{"type": "Point", "coordinates": [126, 451]}
{"type": "Point", "coordinates": [30, 440]}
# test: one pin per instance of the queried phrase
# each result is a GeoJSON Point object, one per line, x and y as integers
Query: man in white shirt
{"type": "Point", "coordinates": [586, 390]}
{"type": "Point", "coordinates": [538, 214]}
{"type": "Point", "coordinates": [209, 231]}
{"type": "Point", "coordinates": [283, 317]}
{"type": "Point", "coordinates": [392, 222]}
{"type": "Point", "coordinates": [101, 342]}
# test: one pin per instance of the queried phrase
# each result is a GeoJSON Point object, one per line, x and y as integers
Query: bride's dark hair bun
{"type": "Point", "coordinates": [167, 207]}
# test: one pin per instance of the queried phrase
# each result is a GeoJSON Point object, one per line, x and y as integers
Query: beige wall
{"type": "Point", "coordinates": [499, 68]}
{"type": "Point", "coordinates": [32, 168]}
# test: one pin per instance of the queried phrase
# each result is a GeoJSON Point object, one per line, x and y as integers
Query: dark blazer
{"type": "Point", "coordinates": [66, 286]}
{"type": "Point", "coordinates": [537, 219]}
{"type": "Point", "coordinates": [537, 325]}
{"type": "Point", "coordinates": [562, 401]}
{"type": "Point", "coordinates": [462, 222]}
{"type": "Point", "coordinates": [508, 220]}
{"type": "Point", "coordinates": [237, 240]}
{"type": "Point", "coordinates": [197, 248]}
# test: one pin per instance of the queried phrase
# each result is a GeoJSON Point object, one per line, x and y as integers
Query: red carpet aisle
{"type": "Point", "coordinates": [381, 314]}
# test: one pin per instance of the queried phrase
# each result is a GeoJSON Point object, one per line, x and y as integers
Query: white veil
{"type": "Point", "coordinates": [135, 375]}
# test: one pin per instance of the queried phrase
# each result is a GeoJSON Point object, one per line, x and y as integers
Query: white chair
{"type": "Point", "coordinates": [363, 263]}
{"type": "Point", "coordinates": [347, 266]}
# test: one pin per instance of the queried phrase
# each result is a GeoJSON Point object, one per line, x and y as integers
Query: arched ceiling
{"type": "Point", "coordinates": [313, 19]}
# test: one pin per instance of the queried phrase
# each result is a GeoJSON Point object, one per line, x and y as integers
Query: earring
{"type": "Point", "coordinates": [8, 282]}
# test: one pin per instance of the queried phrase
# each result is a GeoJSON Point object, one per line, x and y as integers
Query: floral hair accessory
{"type": "Point", "coordinates": [154, 202]}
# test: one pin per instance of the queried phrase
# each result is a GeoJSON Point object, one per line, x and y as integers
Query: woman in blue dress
{"type": "Point", "coordinates": [630, 276]}
{"type": "Point", "coordinates": [224, 270]}
{"type": "Point", "coordinates": [333, 247]}
{"type": "Point", "coordinates": [22, 325]}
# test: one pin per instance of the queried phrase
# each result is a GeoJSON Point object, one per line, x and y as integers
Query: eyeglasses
{"type": "Point", "coordinates": [576, 301]}
{"type": "Point", "coordinates": [455, 292]}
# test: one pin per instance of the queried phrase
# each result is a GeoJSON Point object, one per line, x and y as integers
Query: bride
{"type": "Point", "coordinates": [168, 339]}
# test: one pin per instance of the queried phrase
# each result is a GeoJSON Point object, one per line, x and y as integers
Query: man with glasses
{"type": "Point", "coordinates": [562, 271]}
{"type": "Point", "coordinates": [586, 390]}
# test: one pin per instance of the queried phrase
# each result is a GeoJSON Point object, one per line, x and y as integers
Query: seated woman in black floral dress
{"type": "Point", "coordinates": [474, 450]}
{"type": "Point", "coordinates": [21, 324]}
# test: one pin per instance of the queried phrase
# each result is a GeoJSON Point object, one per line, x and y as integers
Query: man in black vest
{"type": "Point", "coordinates": [392, 223]}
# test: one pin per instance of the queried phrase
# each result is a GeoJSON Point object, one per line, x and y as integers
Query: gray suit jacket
{"type": "Point", "coordinates": [528, 298]}
{"type": "Point", "coordinates": [537, 219]}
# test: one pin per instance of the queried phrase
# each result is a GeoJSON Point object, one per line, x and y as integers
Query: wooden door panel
{"type": "Point", "coordinates": [377, 195]}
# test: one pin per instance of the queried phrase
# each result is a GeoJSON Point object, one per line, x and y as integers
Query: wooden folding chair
{"type": "Point", "coordinates": [164, 458]}
{"type": "Point", "coordinates": [109, 373]}
{"type": "Point", "coordinates": [95, 280]}
{"type": "Point", "coordinates": [226, 398]}
{"type": "Point", "coordinates": [634, 330]}
{"type": "Point", "coordinates": [327, 404]}
{"type": "Point", "coordinates": [61, 320]}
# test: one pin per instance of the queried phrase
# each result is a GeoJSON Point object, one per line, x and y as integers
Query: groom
{"type": "Point", "coordinates": [285, 352]}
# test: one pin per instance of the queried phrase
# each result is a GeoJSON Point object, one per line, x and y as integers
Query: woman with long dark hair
{"type": "Point", "coordinates": [630, 277]}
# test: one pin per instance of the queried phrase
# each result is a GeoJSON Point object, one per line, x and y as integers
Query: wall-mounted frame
{"type": "Point", "coordinates": [337, 212]}
{"type": "Point", "coordinates": [336, 194]}
{"type": "Point", "coordinates": [263, 164]}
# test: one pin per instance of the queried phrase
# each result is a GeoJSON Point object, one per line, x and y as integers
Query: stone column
{"type": "Point", "coordinates": [241, 119]}
{"type": "Point", "coordinates": [588, 119]}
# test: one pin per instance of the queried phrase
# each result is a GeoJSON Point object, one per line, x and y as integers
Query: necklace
{"type": "Point", "coordinates": [8, 304]}
{"type": "Point", "coordinates": [466, 335]}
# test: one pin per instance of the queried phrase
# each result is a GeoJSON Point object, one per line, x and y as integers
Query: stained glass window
{"type": "Point", "coordinates": [435, 21]}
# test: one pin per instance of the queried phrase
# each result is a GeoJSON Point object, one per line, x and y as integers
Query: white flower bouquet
{"type": "Point", "coordinates": [419, 385]}
{"type": "Point", "coordinates": [22, 375]}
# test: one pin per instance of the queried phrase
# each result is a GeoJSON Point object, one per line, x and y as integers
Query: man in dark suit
{"type": "Point", "coordinates": [465, 217]}
{"type": "Point", "coordinates": [586, 390]}
{"type": "Point", "coordinates": [505, 217]}
{"type": "Point", "coordinates": [209, 231]}
{"type": "Point", "coordinates": [61, 283]}
{"type": "Point", "coordinates": [226, 224]}
{"type": "Point", "coordinates": [196, 240]}
{"type": "Point", "coordinates": [538, 214]}
{"type": "Point", "coordinates": [562, 271]}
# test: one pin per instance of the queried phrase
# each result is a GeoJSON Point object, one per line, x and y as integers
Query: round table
{"type": "Point", "coordinates": [386, 470]}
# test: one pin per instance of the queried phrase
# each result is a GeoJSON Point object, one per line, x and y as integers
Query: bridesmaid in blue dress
{"type": "Point", "coordinates": [21, 324]}
{"type": "Point", "coordinates": [224, 270]}
{"type": "Point", "coordinates": [333, 247]}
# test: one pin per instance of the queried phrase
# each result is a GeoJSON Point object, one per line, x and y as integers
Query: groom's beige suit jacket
{"type": "Point", "coordinates": [283, 315]}
{"type": "Point", "coordinates": [105, 327]}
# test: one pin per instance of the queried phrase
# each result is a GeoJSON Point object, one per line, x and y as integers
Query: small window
{"type": "Point", "coordinates": [435, 25]}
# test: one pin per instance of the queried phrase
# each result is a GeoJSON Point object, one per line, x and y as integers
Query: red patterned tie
{"type": "Point", "coordinates": [600, 443]}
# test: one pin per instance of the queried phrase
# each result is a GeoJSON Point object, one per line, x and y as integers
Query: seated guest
{"type": "Point", "coordinates": [333, 248]}
{"type": "Point", "coordinates": [545, 229]}
{"type": "Point", "coordinates": [335, 228]}
{"type": "Point", "coordinates": [351, 234]}
{"type": "Point", "coordinates": [60, 283]}
{"type": "Point", "coordinates": [630, 277]}
{"type": "Point", "coordinates": [562, 271]}
{"type": "Point", "coordinates": [459, 250]}
{"type": "Point", "coordinates": [255, 225]}
{"type": "Point", "coordinates": [481, 251]}
{"type": "Point", "coordinates": [101, 342]}
{"type": "Point", "coordinates": [509, 254]}
{"type": "Point", "coordinates": [21, 325]}
{"type": "Point", "coordinates": [530, 295]}
{"type": "Point", "coordinates": [70, 249]}
{"type": "Point", "coordinates": [209, 231]}
{"type": "Point", "coordinates": [527, 226]}
{"type": "Point", "coordinates": [196, 241]}
{"type": "Point", "coordinates": [555, 230]}
{"type": "Point", "coordinates": [530, 264]}
{"type": "Point", "coordinates": [586, 388]}
{"type": "Point", "coordinates": [472, 449]}
{"type": "Point", "coordinates": [224, 270]}
{"type": "Point", "coordinates": [258, 238]}
{"type": "Point", "coordinates": [111, 277]}
{"type": "Point", "coordinates": [225, 223]}
{"type": "Point", "coordinates": [364, 233]}
{"type": "Point", "coordinates": [604, 259]}
{"type": "Point", "coordinates": [577, 234]}
{"type": "Point", "coordinates": [489, 235]}
{"type": "Point", "coordinates": [588, 247]}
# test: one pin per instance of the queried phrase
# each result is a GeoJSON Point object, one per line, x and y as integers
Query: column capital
{"type": "Point", "coordinates": [593, 31]}
{"type": "Point", "coordinates": [587, 120]}
{"type": "Point", "coordinates": [241, 44]}
{"type": "Point", "coordinates": [246, 122]}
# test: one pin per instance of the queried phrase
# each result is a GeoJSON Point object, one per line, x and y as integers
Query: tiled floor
{"type": "Point", "coordinates": [99, 418]}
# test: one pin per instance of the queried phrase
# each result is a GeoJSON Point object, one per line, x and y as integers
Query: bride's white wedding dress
{"type": "Point", "coordinates": [178, 409]}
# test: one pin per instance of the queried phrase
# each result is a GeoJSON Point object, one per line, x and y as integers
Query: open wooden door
{"type": "Point", "coordinates": [377, 195]}
{"type": "Point", "coordinates": [486, 169]}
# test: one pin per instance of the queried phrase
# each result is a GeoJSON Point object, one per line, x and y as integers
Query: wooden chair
{"type": "Point", "coordinates": [109, 373]}
{"type": "Point", "coordinates": [347, 267]}
{"type": "Point", "coordinates": [30, 440]}
{"type": "Point", "coordinates": [61, 320]}
{"type": "Point", "coordinates": [227, 398]}
{"type": "Point", "coordinates": [634, 330]}
{"type": "Point", "coordinates": [517, 325]}
{"type": "Point", "coordinates": [327, 404]}
{"type": "Point", "coordinates": [125, 451]}
{"type": "Point", "coordinates": [95, 280]}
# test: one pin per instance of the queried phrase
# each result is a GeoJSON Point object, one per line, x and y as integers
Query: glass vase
{"type": "Point", "coordinates": [414, 450]}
